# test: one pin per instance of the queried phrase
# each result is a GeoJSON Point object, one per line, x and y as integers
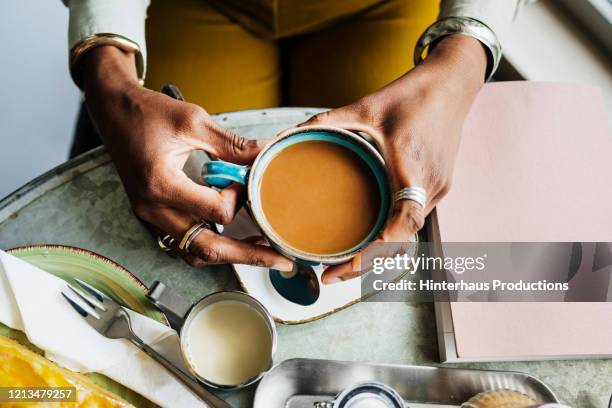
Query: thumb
{"type": "Point", "coordinates": [336, 117]}
{"type": "Point", "coordinates": [231, 147]}
{"type": "Point", "coordinates": [350, 117]}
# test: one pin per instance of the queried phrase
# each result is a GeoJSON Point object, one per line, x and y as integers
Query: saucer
{"type": "Point", "coordinates": [256, 282]}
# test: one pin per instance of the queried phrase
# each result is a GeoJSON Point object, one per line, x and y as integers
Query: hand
{"type": "Point", "coordinates": [416, 121]}
{"type": "Point", "coordinates": [149, 137]}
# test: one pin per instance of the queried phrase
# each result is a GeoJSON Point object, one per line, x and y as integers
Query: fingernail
{"type": "Point", "coordinates": [288, 274]}
{"type": "Point", "coordinates": [261, 241]}
{"type": "Point", "coordinates": [332, 280]}
{"type": "Point", "coordinates": [285, 266]}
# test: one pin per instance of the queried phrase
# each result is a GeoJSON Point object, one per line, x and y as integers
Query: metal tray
{"type": "Point", "coordinates": [298, 383]}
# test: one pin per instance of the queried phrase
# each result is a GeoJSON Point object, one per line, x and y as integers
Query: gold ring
{"type": "Point", "coordinates": [191, 234]}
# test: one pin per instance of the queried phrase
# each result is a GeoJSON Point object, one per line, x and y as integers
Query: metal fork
{"type": "Point", "coordinates": [112, 321]}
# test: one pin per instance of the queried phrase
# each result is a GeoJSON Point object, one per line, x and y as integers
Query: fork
{"type": "Point", "coordinates": [112, 321]}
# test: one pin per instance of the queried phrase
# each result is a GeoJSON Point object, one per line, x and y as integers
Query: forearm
{"type": "Point", "coordinates": [107, 69]}
{"type": "Point", "coordinates": [110, 84]}
{"type": "Point", "coordinates": [452, 74]}
{"type": "Point", "coordinates": [461, 59]}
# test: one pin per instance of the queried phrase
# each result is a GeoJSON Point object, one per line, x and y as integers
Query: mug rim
{"type": "Point", "coordinates": [247, 300]}
{"type": "Point", "coordinates": [277, 241]}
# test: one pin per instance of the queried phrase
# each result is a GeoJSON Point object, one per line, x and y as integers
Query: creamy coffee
{"type": "Point", "coordinates": [229, 343]}
{"type": "Point", "coordinates": [320, 197]}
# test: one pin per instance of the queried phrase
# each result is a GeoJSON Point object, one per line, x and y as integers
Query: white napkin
{"type": "Point", "coordinates": [31, 301]}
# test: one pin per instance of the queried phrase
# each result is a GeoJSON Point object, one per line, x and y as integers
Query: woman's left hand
{"type": "Point", "coordinates": [416, 121]}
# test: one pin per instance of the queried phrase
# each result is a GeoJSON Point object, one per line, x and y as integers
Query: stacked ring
{"type": "Point", "coordinates": [416, 194]}
{"type": "Point", "coordinates": [191, 235]}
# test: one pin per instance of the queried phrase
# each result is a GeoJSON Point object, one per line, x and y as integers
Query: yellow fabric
{"type": "Point", "coordinates": [277, 19]}
{"type": "Point", "coordinates": [238, 54]}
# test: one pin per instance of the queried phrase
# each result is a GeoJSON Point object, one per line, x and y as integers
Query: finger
{"type": "Point", "coordinates": [157, 235]}
{"type": "Point", "coordinates": [408, 218]}
{"type": "Point", "coordinates": [330, 117]}
{"type": "Point", "coordinates": [161, 221]}
{"type": "Point", "coordinates": [257, 239]}
{"type": "Point", "coordinates": [200, 201]}
{"type": "Point", "coordinates": [191, 259]}
{"type": "Point", "coordinates": [346, 117]}
{"type": "Point", "coordinates": [341, 272]}
{"type": "Point", "coordinates": [165, 220]}
{"type": "Point", "coordinates": [355, 268]}
{"type": "Point", "coordinates": [229, 146]}
{"type": "Point", "coordinates": [213, 248]}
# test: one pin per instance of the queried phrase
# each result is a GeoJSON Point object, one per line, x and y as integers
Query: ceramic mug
{"type": "Point", "coordinates": [181, 314]}
{"type": "Point", "coordinates": [221, 174]}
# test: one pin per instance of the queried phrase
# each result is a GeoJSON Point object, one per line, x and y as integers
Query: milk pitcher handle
{"type": "Point", "coordinates": [221, 174]}
{"type": "Point", "coordinates": [173, 305]}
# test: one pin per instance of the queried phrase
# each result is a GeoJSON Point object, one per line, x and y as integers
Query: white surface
{"type": "Point", "coordinates": [30, 301]}
{"type": "Point", "coordinates": [38, 102]}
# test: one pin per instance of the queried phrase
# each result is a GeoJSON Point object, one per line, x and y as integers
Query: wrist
{"type": "Point", "coordinates": [462, 54]}
{"type": "Point", "coordinates": [456, 65]}
{"type": "Point", "coordinates": [109, 83]}
{"type": "Point", "coordinates": [108, 71]}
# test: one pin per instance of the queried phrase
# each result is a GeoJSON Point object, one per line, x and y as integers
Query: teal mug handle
{"type": "Point", "coordinates": [221, 174]}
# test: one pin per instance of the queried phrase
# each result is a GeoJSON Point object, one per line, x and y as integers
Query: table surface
{"type": "Point", "coordinates": [82, 203]}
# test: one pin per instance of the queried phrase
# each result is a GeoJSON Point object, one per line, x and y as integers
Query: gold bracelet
{"type": "Point", "coordinates": [97, 40]}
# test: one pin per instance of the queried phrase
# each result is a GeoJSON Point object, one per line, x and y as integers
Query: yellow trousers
{"type": "Point", "coordinates": [238, 54]}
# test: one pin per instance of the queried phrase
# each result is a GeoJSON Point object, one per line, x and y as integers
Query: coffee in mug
{"type": "Point", "coordinates": [320, 197]}
{"type": "Point", "coordinates": [319, 194]}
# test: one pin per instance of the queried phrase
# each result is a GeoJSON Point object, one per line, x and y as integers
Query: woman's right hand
{"type": "Point", "coordinates": [149, 137]}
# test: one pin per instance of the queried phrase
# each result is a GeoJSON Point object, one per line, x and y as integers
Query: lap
{"type": "Point", "coordinates": [222, 67]}
{"type": "Point", "coordinates": [212, 59]}
{"type": "Point", "coordinates": [357, 56]}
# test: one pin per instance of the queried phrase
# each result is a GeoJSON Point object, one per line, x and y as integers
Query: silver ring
{"type": "Point", "coordinates": [416, 194]}
{"type": "Point", "coordinates": [165, 242]}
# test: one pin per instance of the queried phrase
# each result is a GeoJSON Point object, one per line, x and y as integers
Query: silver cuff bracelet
{"type": "Point", "coordinates": [465, 26]}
